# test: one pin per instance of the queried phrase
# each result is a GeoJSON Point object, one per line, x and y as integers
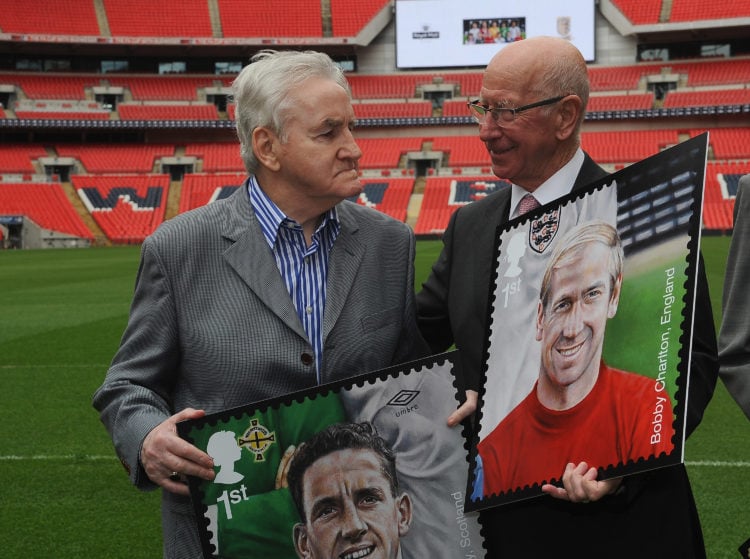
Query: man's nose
{"type": "Point", "coordinates": [573, 322]}
{"type": "Point", "coordinates": [489, 129]}
{"type": "Point", "coordinates": [352, 525]}
{"type": "Point", "coordinates": [350, 150]}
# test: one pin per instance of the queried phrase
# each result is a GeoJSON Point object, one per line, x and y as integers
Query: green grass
{"type": "Point", "coordinates": [64, 494]}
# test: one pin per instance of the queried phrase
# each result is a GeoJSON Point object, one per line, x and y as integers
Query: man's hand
{"type": "Point", "coordinates": [165, 454]}
{"type": "Point", "coordinates": [465, 410]}
{"type": "Point", "coordinates": [580, 485]}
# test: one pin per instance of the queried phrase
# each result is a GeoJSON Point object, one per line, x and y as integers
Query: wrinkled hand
{"type": "Point", "coordinates": [164, 453]}
{"type": "Point", "coordinates": [465, 410]}
{"type": "Point", "coordinates": [580, 485]}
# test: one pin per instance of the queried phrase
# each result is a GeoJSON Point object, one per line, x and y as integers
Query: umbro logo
{"type": "Point", "coordinates": [403, 398]}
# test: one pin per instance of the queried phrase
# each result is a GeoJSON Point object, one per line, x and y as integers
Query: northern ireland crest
{"type": "Point", "coordinates": [257, 439]}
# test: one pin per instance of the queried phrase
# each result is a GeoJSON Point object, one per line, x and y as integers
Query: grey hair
{"type": "Point", "coordinates": [261, 90]}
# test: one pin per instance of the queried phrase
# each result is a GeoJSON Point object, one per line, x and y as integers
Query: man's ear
{"type": "Point", "coordinates": [301, 543]}
{"type": "Point", "coordinates": [614, 300]}
{"type": "Point", "coordinates": [539, 321]}
{"type": "Point", "coordinates": [403, 508]}
{"type": "Point", "coordinates": [568, 112]}
{"type": "Point", "coordinates": [264, 147]}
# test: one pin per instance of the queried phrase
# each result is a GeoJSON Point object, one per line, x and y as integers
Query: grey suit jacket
{"type": "Point", "coordinates": [212, 326]}
{"type": "Point", "coordinates": [734, 335]}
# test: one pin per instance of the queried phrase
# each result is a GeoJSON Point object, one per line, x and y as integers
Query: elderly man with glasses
{"type": "Point", "coordinates": [530, 110]}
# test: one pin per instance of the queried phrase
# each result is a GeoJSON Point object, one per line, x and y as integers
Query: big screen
{"type": "Point", "coordinates": [452, 33]}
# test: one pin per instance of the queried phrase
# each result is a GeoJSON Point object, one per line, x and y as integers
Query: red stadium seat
{"type": "Point", "coordinates": [44, 203]}
{"type": "Point", "coordinates": [116, 158]}
{"type": "Point", "coordinates": [128, 208]}
{"type": "Point", "coordinates": [146, 18]}
{"type": "Point", "coordinates": [260, 18]}
{"type": "Point", "coordinates": [217, 156]}
{"type": "Point", "coordinates": [168, 112]}
{"type": "Point", "coordinates": [198, 189]}
{"type": "Point", "coordinates": [50, 17]}
{"type": "Point", "coordinates": [697, 10]}
{"type": "Point", "coordinates": [393, 110]}
{"type": "Point", "coordinates": [19, 158]}
{"type": "Point", "coordinates": [349, 17]}
{"type": "Point", "coordinates": [639, 12]}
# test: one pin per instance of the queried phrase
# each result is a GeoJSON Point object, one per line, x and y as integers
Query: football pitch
{"type": "Point", "coordinates": [64, 493]}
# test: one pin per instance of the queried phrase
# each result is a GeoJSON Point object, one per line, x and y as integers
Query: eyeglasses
{"type": "Point", "coordinates": [505, 115]}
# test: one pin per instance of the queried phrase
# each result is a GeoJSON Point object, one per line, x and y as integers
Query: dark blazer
{"type": "Point", "coordinates": [212, 326]}
{"type": "Point", "coordinates": [734, 336]}
{"type": "Point", "coordinates": [452, 308]}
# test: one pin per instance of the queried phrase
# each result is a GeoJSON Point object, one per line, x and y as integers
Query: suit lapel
{"type": "Point", "coordinates": [499, 212]}
{"type": "Point", "coordinates": [250, 256]}
{"type": "Point", "coordinates": [589, 173]}
{"type": "Point", "coordinates": [343, 265]}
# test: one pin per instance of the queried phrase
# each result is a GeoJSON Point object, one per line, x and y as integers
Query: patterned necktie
{"type": "Point", "coordinates": [527, 204]}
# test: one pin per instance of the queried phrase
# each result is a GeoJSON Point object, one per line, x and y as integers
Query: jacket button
{"type": "Point", "coordinates": [307, 359]}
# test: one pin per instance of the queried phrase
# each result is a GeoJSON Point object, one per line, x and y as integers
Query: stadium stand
{"type": "Point", "coordinates": [640, 12]}
{"type": "Point", "coordinates": [74, 115]}
{"type": "Point", "coordinates": [455, 107]}
{"type": "Point", "coordinates": [620, 102]}
{"type": "Point", "coordinates": [50, 17]}
{"type": "Point", "coordinates": [160, 88]}
{"type": "Point", "coordinates": [260, 18]}
{"type": "Point", "coordinates": [390, 196]}
{"type": "Point", "coordinates": [691, 10]}
{"type": "Point", "coordinates": [707, 98]}
{"type": "Point", "coordinates": [145, 18]}
{"type": "Point", "coordinates": [136, 158]}
{"type": "Point", "coordinates": [715, 72]}
{"type": "Point", "coordinates": [393, 86]}
{"type": "Point", "coordinates": [50, 86]}
{"type": "Point", "coordinates": [44, 203]}
{"type": "Point", "coordinates": [386, 153]}
{"type": "Point", "coordinates": [720, 189]}
{"type": "Point", "coordinates": [462, 151]}
{"type": "Point", "coordinates": [398, 110]}
{"type": "Point", "coordinates": [444, 195]}
{"type": "Point", "coordinates": [730, 143]}
{"type": "Point", "coordinates": [204, 111]}
{"type": "Point", "coordinates": [624, 78]}
{"type": "Point", "coordinates": [627, 146]}
{"type": "Point", "coordinates": [217, 156]}
{"type": "Point", "coordinates": [348, 17]}
{"type": "Point", "coordinates": [199, 189]}
{"type": "Point", "coordinates": [126, 207]}
{"type": "Point", "coordinates": [628, 119]}
{"type": "Point", "coordinates": [19, 158]}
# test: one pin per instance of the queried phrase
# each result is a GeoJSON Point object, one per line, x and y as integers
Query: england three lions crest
{"type": "Point", "coordinates": [543, 229]}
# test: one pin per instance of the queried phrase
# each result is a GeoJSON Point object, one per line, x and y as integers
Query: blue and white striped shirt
{"type": "Point", "coordinates": [304, 269]}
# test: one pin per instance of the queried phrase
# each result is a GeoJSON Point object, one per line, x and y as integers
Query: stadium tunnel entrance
{"type": "Point", "coordinates": [422, 161]}
{"type": "Point", "coordinates": [176, 167]}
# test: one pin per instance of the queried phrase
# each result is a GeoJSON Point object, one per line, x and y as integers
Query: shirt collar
{"type": "Point", "coordinates": [271, 218]}
{"type": "Point", "coordinates": [556, 186]}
